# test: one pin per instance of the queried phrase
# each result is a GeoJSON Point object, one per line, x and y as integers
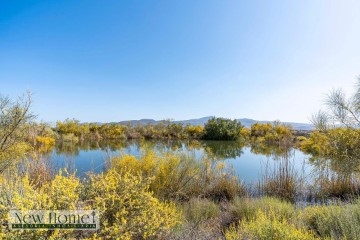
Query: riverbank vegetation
{"type": "Point", "coordinates": [335, 143]}
{"type": "Point", "coordinates": [214, 129]}
{"type": "Point", "coordinates": [173, 196]}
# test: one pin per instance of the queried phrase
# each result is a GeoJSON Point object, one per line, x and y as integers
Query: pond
{"type": "Point", "coordinates": [249, 163]}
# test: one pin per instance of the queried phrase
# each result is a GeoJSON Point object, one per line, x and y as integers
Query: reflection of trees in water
{"type": "Point", "coordinates": [114, 145]}
{"type": "Point", "coordinates": [73, 149]}
{"type": "Point", "coordinates": [223, 149]}
{"type": "Point", "coordinates": [334, 178]}
{"type": "Point", "coordinates": [216, 149]}
{"type": "Point", "coordinates": [67, 148]}
{"type": "Point", "coordinates": [271, 150]}
{"type": "Point", "coordinates": [161, 145]}
{"type": "Point", "coordinates": [336, 175]}
{"type": "Point", "coordinates": [338, 165]}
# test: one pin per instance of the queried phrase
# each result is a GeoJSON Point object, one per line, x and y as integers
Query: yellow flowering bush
{"type": "Point", "coordinates": [63, 192]}
{"type": "Point", "coordinates": [172, 174]}
{"type": "Point", "coordinates": [45, 143]}
{"type": "Point", "coordinates": [338, 143]}
{"type": "Point", "coordinates": [334, 221]}
{"type": "Point", "coordinates": [267, 227]}
{"type": "Point", "coordinates": [245, 133]}
{"type": "Point", "coordinates": [18, 193]}
{"type": "Point", "coordinates": [195, 132]}
{"type": "Point", "coordinates": [178, 176]}
{"type": "Point", "coordinates": [271, 133]}
{"type": "Point", "coordinates": [128, 209]}
{"type": "Point", "coordinates": [317, 144]}
{"type": "Point", "coordinates": [60, 193]}
{"type": "Point", "coordinates": [14, 154]}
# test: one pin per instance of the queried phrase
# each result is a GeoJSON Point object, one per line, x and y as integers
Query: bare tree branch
{"type": "Point", "coordinates": [13, 117]}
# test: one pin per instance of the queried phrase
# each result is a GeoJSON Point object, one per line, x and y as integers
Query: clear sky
{"type": "Point", "coordinates": [119, 60]}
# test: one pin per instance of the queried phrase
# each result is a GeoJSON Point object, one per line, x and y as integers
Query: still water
{"type": "Point", "coordinates": [249, 163]}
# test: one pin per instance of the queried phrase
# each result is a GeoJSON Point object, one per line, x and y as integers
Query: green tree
{"type": "Point", "coordinates": [222, 129]}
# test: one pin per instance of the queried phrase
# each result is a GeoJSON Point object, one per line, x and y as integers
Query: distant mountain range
{"type": "Point", "coordinates": [201, 121]}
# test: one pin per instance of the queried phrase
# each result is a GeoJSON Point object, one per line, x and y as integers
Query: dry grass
{"type": "Point", "coordinates": [282, 181]}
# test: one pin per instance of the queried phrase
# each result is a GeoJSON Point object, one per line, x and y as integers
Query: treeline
{"type": "Point", "coordinates": [214, 129]}
{"type": "Point", "coordinates": [73, 130]}
{"type": "Point", "coordinates": [42, 137]}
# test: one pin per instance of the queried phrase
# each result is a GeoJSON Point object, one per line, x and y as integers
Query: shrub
{"type": "Point", "coordinates": [222, 129]}
{"type": "Point", "coordinates": [199, 210]}
{"type": "Point", "coordinates": [267, 227]}
{"type": "Point", "coordinates": [18, 192]}
{"type": "Point", "coordinates": [245, 133]}
{"type": "Point", "coordinates": [316, 144]}
{"type": "Point", "coordinates": [128, 209]}
{"type": "Point", "coordinates": [111, 131]}
{"type": "Point", "coordinates": [224, 186]}
{"type": "Point", "coordinates": [246, 208]}
{"type": "Point", "coordinates": [13, 155]}
{"type": "Point", "coordinates": [272, 133]}
{"type": "Point", "coordinates": [195, 132]}
{"type": "Point", "coordinates": [178, 176]}
{"type": "Point", "coordinates": [330, 184]}
{"type": "Point", "coordinates": [61, 193]}
{"type": "Point", "coordinates": [260, 130]}
{"type": "Point", "coordinates": [172, 174]}
{"type": "Point", "coordinates": [45, 144]}
{"type": "Point", "coordinates": [335, 221]}
{"type": "Point", "coordinates": [70, 137]}
{"type": "Point", "coordinates": [202, 220]}
{"type": "Point", "coordinates": [340, 144]}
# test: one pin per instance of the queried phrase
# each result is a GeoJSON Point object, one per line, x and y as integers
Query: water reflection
{"type": "Point", "coordinates": [223, 150]}
{"type": "Point", "coordinates": [336, 177]}
{"type": "Point", "coordinates": [254, 163]}
{"type": "Point", "coordinates": [218, 149]}
{"type": "Point", "coordinates": [87, 155]}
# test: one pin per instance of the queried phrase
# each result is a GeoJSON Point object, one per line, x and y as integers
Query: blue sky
{"type": "Point", "coordinates": [118, 60]}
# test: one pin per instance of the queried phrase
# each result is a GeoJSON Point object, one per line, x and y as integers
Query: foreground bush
{"type": "Point", "coordinates": [246, 208]}
{"type": "Point", "coordinates": [181, 177]}
{"type": "Point", "coordinates": [19, 193]}
{"type": "Point", "coordinates": [199, 210]}
{"type": "Point", "coordinates": [335, 222]}
{"type": "Point", "coordinates": [265, 227]}
{"type": "Point", "coordinates": [129, 209]}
